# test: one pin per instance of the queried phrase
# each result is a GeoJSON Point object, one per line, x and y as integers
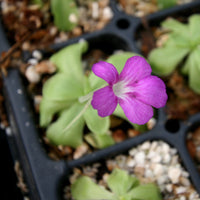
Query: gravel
{"type": "Point", "coordinates": [151, 162]}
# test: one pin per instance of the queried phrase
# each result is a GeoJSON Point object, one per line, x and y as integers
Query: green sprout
{"type": "Point", "coordinates": [122, 187]}
{"type": "Point", "coordinates": [163, 4]}
{"type": "Point", "coordinates": [66, 108]}
{"type": "Point", "coordinates": [65, 13]}
{"type": "Point", "coordinates": [37, 2]}
{"type": "Point", "coordinates": [181, 48]}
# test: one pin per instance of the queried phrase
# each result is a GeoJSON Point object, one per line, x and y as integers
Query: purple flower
{"type": "Point", "coordinates": [135, 89]}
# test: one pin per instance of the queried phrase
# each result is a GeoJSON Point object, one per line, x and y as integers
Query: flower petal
{"type": "Point", "coordinates": [135, 69]}
{"type": "Point", "coordinates": [136, 111]}
{"type": "Point", "coordinates": [152, 91]}
{"type": "Point", "coordinates": [104, 101]}
{"type": "Point", "coordinates": [106, 71]}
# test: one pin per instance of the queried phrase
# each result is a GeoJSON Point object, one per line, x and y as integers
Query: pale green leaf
{"type": "Point", "coordinates": [194, 71]}
{"type": "Point", "coordinates": [69, 60]}
{"type": "Point", "coordinates": [175, 26]}
{"type": "Point", "coordinates": [164, 4]}
{"type": "Point", "coordinates": [165, 59]}
{"type": "Point", "coordinates": [68, 129]}
{"type": "Point", "coordinates": [95, 123]}
{"type": "Point", "coordinates": [99, 140]}
{"type": "Point", "coordinates": [145, 192]}
{"type": "Point", "coordinates": [194, 29]}
{"type": "Point", "coordinates": [178, 41]}
{"type": "Point", "coordinates": [120, 182]}
{"type": "Point", "coordinates": [62, 88]}
{"type": "Point", "coordinates": [86, 86]}
{"type": "Point", "coordinates": [85, 189]}
{"type": "Point", "coordinates": [38, 2]}
{"type": "Point", "coordinates": [119, 59]}
{"type": "Point", "coordinates": [65, 14]}
{"type": "Point", "coordinates": [50, 107]}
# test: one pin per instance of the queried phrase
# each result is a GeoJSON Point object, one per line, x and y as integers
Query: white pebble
{"type": "Point", "coordinates": [130, 163]}
{"type": "Point", "coordinates": [158, 169]}
{"type": "Point", "coordinates": [37, 55]}
{"type": "Point", "coordinates": [8, 131]}
{"type": "Point", "coordinates": [19, 91]}
{"type": "Point", "coordinates": [145, 146]}
{"type": "Point", "coordinates": [95, 10]}
{"type": "Point", "coordinates": [149, 173]}
{"type": "Point", "coordinates": [107, 13]}
{"type": "Point", "coordinates": [169, 187]}
{"type": "Point", "coordinates": [182, 198]}
{"type": "Point", "coordinates": [32, 75]}
{"type": "Point", "coordinates": [33, 61]}
{"type": "Point", "coordinates": [174, 174]}
{"type": "Point", "coordinates": [165, 148]}
{"type": "Point", "coordinates": [166, 158]}
{"type": "Point", "coordinates": [180, 190]}
{"type": "Point", "coordinates": [184, 181]}
{"type": "Point", "coordinates": [73, 18]}
{"type": "Point", "coordinates": [162, 180]}
{"type": "Point", "coordinates": [151, 123]}
{"type": "Point", "coordinates": [154, 145]}
{"type": "Point", "coordinates": [140, 158]}
{"type": "Point", "coordinates": [156, 159]}
{"type": "Point", "coordinates": [151, 154]}
{"type": "Point", "coordinates": [132, 152]}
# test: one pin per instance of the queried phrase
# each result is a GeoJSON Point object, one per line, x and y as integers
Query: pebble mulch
{"type": "Point", "coordinates": [155, 162]}
{"type": "Point", "coordinates": [141, 8]}
{"type": "Point", "coordinates": [21, 18]}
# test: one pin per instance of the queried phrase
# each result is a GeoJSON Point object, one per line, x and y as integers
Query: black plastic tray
{"type": "Point", "coordinates": [44, 177]}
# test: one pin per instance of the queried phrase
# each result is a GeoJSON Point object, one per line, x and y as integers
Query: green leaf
{"type": "Point", "coordinates": [95, 123]}
{"type": "Point", "coordinates": [163, 4]}
{"type": "Point", "coordinates": [165, 59]}
{"type": "Point", "coordinates": [194, 29]}
{"type": "Point", "coordinates": [68, 61]}
{"type": "Point", "coordinates": [68, 129]}
{"type": "Point", "coordinates": [145, 192]}
{"type": "Point", "coordinates": [62, 88]}
{"type": "Point", "coordinates": [194, 70]}
{"type": "Point", "coordinates": [85, 189]}
{"type": "Point", "coordinates": [37, 2]}
{"type": "Point", "coordinates": [99, 141]}
{"type": "Point", "coordinates": [179, 41]}
{"type": "Point", "coordinates": [118, 60]}
{"type": "Point", "coordinates": [120, 182]}
{"type": "Point", "coordinates": [175, 26]}
{"type": "Point", "coordinates": [64, 11]}
{"type": "Point", "coordinates": [50, 107]}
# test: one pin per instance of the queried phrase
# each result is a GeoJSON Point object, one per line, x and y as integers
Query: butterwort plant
{"type": "Point", "coordinates": [120, 186]}
{"type": "Point", "coordinates": [181, 50]}
{"type": "Point", "coordinates": [122, 85]}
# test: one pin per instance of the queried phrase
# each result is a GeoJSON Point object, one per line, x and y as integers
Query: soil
{"type": "Point", "coordinates": [30, 28]}
{"type": "Point", "coordinates": [141, 8]}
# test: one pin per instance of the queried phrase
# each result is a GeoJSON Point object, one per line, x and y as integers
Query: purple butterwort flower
{"type": "Point", "coordinates": [135, 89]}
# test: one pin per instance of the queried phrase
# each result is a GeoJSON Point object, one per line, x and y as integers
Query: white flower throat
{"type": "Point", "coordinates": [121, 89]}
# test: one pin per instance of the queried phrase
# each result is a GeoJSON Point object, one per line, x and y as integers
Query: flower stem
{"type": "Point", "coordinates": [78, 116]}
{"type": "Point", "coordinates": [85, 98]}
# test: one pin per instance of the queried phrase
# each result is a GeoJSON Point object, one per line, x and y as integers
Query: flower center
{"type": "Point", "coordinates": [120, 89]}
